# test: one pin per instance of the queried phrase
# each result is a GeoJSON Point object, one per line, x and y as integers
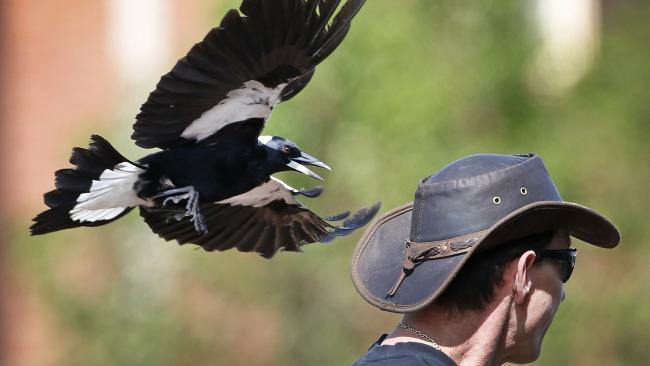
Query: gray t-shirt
{"type": "Point", "coordinates": [403, 354]}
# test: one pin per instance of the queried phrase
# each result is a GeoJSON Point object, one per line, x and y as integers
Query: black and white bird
{"type": "Point", "coordinates": [211, 183]}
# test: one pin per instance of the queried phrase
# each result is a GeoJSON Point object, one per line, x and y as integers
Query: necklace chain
{"type": "Point", "coordinates": [420, 334]}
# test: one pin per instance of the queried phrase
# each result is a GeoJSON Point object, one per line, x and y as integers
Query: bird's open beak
{"type": "Point", "coordinates": [310, 160]}
{"type": "Point", "coordinates": [304, 158]}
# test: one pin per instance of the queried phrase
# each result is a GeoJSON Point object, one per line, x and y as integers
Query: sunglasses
{"type": "Point", "coordinates": [566, 257]}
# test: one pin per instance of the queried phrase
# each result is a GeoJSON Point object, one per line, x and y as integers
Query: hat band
{"type": "Point", "coordinates": [418, 252]}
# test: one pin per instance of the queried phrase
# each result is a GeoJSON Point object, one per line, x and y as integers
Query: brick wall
{"type": "Point", "coordinates": [57, 86]}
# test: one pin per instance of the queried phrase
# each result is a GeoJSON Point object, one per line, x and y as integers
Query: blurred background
{"type": "Point", "coordinates": [416, 85]}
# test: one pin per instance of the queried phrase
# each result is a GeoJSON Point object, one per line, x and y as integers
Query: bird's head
{"type": "Point", "coordinates": [283, 155]}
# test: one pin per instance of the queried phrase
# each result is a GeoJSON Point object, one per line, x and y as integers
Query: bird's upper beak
{"type": "Point", "coordinates": [304, 158]}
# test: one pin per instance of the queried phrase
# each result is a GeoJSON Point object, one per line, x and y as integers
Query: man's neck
{"type": "Point", "coordinates": [468, 338]}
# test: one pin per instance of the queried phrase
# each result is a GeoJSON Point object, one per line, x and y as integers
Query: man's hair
{"type": "Point", "coordinates": [474, 285]}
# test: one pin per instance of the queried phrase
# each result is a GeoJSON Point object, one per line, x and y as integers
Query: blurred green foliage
{"type": "Point", "coordinates": [416, 85]}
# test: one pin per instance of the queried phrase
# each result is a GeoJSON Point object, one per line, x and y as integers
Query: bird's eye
{"type": "Point", "coordinates": [286, 150]}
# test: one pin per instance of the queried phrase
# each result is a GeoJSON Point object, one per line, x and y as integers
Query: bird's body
{"type": "Point", "coordinates": [215, 174]}
{"type": "Point", "coordinates": [212, 183]}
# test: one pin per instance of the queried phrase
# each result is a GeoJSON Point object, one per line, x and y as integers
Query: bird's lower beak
{"type": "Point", "coordinates": [304, 158]}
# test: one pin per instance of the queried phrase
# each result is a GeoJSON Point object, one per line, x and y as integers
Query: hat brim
{"type": "Point", "coordinates": [379, 255]}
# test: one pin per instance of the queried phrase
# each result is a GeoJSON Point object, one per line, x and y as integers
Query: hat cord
{"type": "Point", "coordinates": [418, 252]}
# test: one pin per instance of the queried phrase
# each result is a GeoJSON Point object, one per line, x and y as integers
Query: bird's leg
{"type": "Point", "coordinates": [192, 208]}
{"type": "Point", "coordinates": [175, 195]}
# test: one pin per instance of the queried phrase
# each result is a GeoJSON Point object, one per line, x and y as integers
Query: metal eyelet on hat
{"type": "Point", "coordinates": [496, 200]}
{"type": "Point", "coordinates": [523, 190]}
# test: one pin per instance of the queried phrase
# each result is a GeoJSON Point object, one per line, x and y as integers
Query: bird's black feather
{"type": "Point", "coordinates": [266, 229]}
{"type": "Point", "coordinates": [211, 185]}
{"type": "Point", "coordinates": [266, 41]}
{"type": "Point", "coordinates": [70, 183]}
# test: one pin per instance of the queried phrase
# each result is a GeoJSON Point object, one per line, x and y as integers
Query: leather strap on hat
{"type": "Point", "coordinates": [418, 252]}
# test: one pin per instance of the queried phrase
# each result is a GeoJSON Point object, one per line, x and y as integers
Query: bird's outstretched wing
{"type": "Point", "coordinates": [255, 59]}
{"type": "Point", "coordinates": [265, 219]}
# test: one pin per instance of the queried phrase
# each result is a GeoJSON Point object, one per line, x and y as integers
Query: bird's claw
{"type": "Point", "coordinates": [199, 223]}
{"type": "Point", "coordinates": [192, 208]}
{"type": "Point", "coordinates": [175, 199]}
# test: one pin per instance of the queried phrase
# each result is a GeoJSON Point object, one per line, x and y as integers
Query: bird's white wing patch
{"type": "Point", "coordinates": [283, 184]}
{"type": "Point", "coordinates": [262, 195]}
{"type": "Point", "coordinates": [82, 215]}
{"type": "Point", "coordinates": [109, 195]}
{"type": "Point", "coordinates": [252, 100]}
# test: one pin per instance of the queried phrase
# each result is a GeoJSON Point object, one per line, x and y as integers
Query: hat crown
{"type": "Point", "coordinates": [473, 165]}
{"type": "Point", "coordinates": [473, 193]}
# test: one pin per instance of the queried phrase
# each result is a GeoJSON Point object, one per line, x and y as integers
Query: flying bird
{"type": "Point", "coordinates": [211, 183]}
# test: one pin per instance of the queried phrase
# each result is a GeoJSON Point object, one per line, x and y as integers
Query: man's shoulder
{"type": "Point", "coordinates": [404, 354]}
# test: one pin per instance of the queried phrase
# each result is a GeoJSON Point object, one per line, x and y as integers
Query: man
{"type": "Point", "coordinates": [476, 263]}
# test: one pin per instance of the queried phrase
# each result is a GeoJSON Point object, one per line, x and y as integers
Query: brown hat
{"type": "Point", "coordinates": [412, 253]}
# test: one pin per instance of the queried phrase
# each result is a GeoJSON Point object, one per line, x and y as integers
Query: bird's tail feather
{"type": "Point", "coordinates": [97, 191]}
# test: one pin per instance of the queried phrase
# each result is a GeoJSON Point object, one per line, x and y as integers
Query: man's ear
{"type": "Point", "coordinates": [522, 284]}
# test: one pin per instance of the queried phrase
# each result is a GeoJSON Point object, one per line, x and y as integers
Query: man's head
{"type": "Point", "coordinates": [483, 230]}
{"type": "Point", "coordinates": [477, 282]}
{"type": "Point", "coordinates": [527, 273]}
{"type": "Point", "coordinates": [537, 287]}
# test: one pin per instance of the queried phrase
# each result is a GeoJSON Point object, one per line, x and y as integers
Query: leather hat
{"type": "Point", "coordinates": [411, 254]}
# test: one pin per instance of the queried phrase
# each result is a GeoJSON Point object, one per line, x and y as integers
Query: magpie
{"type": "Point", "coordinates": [211, 183]}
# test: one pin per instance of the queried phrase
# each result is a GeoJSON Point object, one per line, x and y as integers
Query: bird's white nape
{"type": "Point", "coordinates": [264, 140]}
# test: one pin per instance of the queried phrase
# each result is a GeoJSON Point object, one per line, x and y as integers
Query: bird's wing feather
{"type": "Point", "coordinates": [265, 219]}
{"type": "Point", "coordinates": [252, 61]}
